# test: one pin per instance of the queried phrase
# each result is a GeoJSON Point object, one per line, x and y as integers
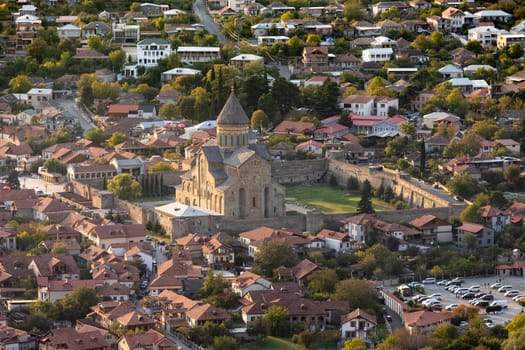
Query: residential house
{"type": "Point", "coordinates": [424, 322]}
{"type": "Point", "coordinates": [54, 267]}
{"type": "Point", "coordinates": [433, 228]}
{"type": "Point", "coordinates": [421, 99]}
{"type": "Point", "coordinates": [419, 4]}
{"type": "Point", "coordinates": [508, 39]}
{"type": "Point", "coordinates": [388, 26]}
{"type": "Point", "coordinates": [105, 236]}
{"type": "Point", "coordinates": [38, 97]}
{"type": "Point", "coordinates": [493, 16]}
{"type": "Point", "coordinates": [172, 74]}
{"type": "Point", "coordinates": [192, 54]}
{"type": "Point", "coordinates": [510, 144]}
{"type": "Point", "coordinates": [485, 35]}
{"type": "Point", "coordinates": [481, 236]}
{"type": "Point", "coordinates": [315, 57]}
{"type": "Point", "coordinates": [368, 105]}
{"type": "Point", "coordinates": [434, 118]}
{"type": "Point", "coordinates": [177, 309]}
{"type": "Point", "coordinates": [302, 270]}
{"type": "Point", "coordinates": [151, 50]}
{"type": "Point", "coordinates": [439, 24]}
{"type": "Point", "coordinates": [52, 291]}
{"type": "Point", "coordinates": [48, 205]}
{"type": "Point", "coordinates": [27, 27]}
{"type": "Point", "coordinates": [310, 147]}
{"type": "Point", "coordinates": [265, 28]}
{"type": "Point", "coordinates": [451, 71]}
{"type": "Point", "coordinates": [315, 314]}
{"type": "Point", "coordinates": [456, 17]}
{"type": "Point", "coordinates": [96, 28]}
{"type": "Point", "coordinates": [125, 33]}
{"type": "Point", "coordinates": [462, 55]}
{"type": "Point", "coordinates": [14, 338]}
{"type": "Point", "coordinates": [358, 226]}
{"type": "Point", "coordinates": [470, 69]}
{"type": "Point", "coordinates": [138, 252]}
{"type": "Point", "coordinates": [335, 240]}
{"type": "Point", "coordinates": [125, 314]}
{"type": "Point", "coordinates": [358, 324]}
{"type": "Point", "coordinates": [330, 132]}
{"type": "Point", "coordinates": [69, 31]}
{"type": "Point", "coordinates": [383, 6]}
{"type": "Point", "coordinates": [70, 338]}
{"type": "Point", "coordinates": [249, 281]}
{"type": "Point", "coordinates": [242, 60]}
{"type": "Point", "coordinates": [153, 10]}
{"type": "Point", "coordinates": [7, 239]}
{"type": "Point", "coordinates": [217, 253]}
{"type": "Point", "coordinates": [172, 273]}
{"type": "Point", "coordinates": [468, 86]}
{"type": "Point", "coordinates": [81, 172]}
{"type": "Point", "coordinates": [364, 28]}
{"type": "Point", "coordinates": [495, 218]}
{"type": "Point", "coordinates": [288, 127]}
{"type": "Point", "coordinates": [152, 339]}
{"type": "Point", "coordinates": [377, 54]}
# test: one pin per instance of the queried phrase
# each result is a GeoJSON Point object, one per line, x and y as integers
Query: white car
{"type": "Point", "coordinates": [436, 296]}
{"type": "Point", "coordinates": [512, 293]}
{"type": "Point", "coordinates": [451, 307]}
{"type": "Point", "coordinates": [474, 289]}
{"type": "Point", "coordinates": [428, 302]}
{"type": "Point", "coordinates": [518, 297]}
{"type": "Point", "coordinates": [442, 282]}
{"type": "Point", "coordinates": [504, 289]}
{"type": "Point", "coordinates": [429, 280]}
{"type": "Point", "coordinates": [495, 285]}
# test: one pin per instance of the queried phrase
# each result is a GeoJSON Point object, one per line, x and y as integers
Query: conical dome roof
{"type": "Point", "coordinates": [232, 113]}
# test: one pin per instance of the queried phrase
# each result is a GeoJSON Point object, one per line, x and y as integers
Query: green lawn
{"type": "Point", "coordinates": [272, 343]}
{"type": "Point", "coordinates": [327, 199]}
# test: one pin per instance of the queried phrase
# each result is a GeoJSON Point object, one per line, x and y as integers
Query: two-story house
{"type": "Point", "coordinates": [151, 50]}
{"type": "Point", "coordinates": [471, 236]}
{"type": "Point", "coordinates": [358, 324]}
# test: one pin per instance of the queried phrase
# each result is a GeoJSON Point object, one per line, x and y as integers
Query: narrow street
{"type": "Point", "coordinates": [199, 7]}
{"type": "Point", "coordinates": [70, 106]}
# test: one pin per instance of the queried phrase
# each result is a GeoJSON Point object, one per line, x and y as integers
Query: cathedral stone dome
{"type": "Point", "coordinates": [232, 113]}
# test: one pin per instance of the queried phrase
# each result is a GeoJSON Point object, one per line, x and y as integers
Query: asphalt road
{"type": "Point", "coordinates": [70, 106]}
{"type": "Point", "coordinates": [199, 7]}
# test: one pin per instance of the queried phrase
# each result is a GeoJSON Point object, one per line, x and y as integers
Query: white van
{"type": "Point", "coordinates": [502, 303]}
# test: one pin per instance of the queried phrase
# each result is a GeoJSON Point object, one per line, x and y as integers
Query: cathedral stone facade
{"type": "Point", "coordinates": [231, 177]}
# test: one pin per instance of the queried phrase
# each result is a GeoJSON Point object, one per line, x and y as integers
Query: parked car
{"type": "Point", "coordinates": [505, 288]}
{"type": "Point", "coordinates": [518, 297]}
{"type": "Point", "coordinates": [512, 293]}
{"type": "Point", "coordinates": [461, 291]}
{"type": "Point", "coordinates": [388, 318]}
{"type": "Point", "coordinates": [443, 282]}
{"type": "Point", "coordinates": [474, 289]}
{"type": "Point", "coordinates": [482, 303]}
{"type": "Point", "coordinates": [488, 297]}
{"type": "Point", "coordinates": [495, 285]}
{"type": "Point", "coordinates": [451, 307]}
{"type": "Point", "coordinates": [468, 296]}
{"type": "Point", "coordinates": [501, 303]}
{"type": "Point", "coordinates": [415, 285]}
{"type": "Point", "coordinates": [436, 296]}
{"type": "Point", "coordinates": [429, 280]}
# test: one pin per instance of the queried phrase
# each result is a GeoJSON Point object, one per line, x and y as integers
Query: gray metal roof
{"type": "Point", "coordinates": [232, 113]}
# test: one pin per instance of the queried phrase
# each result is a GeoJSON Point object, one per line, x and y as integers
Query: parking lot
{"type": "Point", "coordinates": [498, 318]}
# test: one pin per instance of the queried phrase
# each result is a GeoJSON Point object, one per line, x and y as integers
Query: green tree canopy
{"type": "Point", "coordinates": [359, 294]}
{"type": "Point", "coordinates": [365, 203]}
{"type": "Point", "coordinates": [20, 84]}
{"type": "Point", "coordinates": [115, 139]}
{"type": "Point", "coordinates": [472, 213]}
{"type": "Point", "coordinates": [273, 254]}
{"type": "Point", "coordinates": [259, 119]}
{"type": "Point", "coordinates": [276, 321]}
{"type": "Point", "coordinates": [55, 166]}
{"type": "Point", "coordinates": [96, 135]}
{"type": "Point", "coordinates": [463, 185]}
{"type": "Point", "coordinates": [124, 186]}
